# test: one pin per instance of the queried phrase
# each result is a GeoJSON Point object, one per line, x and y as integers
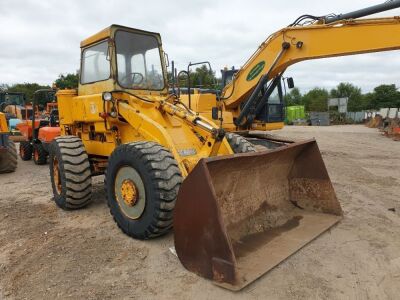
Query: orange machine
{"type": "Point", "coordinates": [38, 134]}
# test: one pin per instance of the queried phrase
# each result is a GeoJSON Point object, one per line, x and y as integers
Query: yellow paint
{"type": "Point", "coordinates": [105, 33]}
{"type": "Point", "coordinates": [320, 40]}
{"type": "Point", "coordinates": [3, 123]}
{"type": "Point", "coordinates": [129, 192]}
{"type": "Point", "coordinates": [156, 119]}
{"type": "Point", "coordinates": [268, 126]}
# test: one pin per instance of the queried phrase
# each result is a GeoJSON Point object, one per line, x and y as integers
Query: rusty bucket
{"type": "Point", "coordinates": [237, 217]}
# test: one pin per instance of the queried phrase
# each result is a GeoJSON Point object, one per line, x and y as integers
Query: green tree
{"type": "Point", "coordinates": [68, 81]}
{"type": "Point", "coordinates": [203, 77]}
{"type": "Point", "coordinates": [27, 88]}
{"type": "Point", "coordinates": [385, 95]}
{"type": "Point", "coordinates": [294, 97]}
{"type": "Point", "coordinates": [368, 100]}
{"type": "Point", "coordinates": [348, 90]}
{"type": "Point", "coordinates": [316, 100]}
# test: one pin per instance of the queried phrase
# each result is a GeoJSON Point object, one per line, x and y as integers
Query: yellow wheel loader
{"type": "Point", "coordinates": [253, 99]}
{"type": "Point", "coordinates": [8, 152]}
{"type": "Point", "coordinates": [236, 213]}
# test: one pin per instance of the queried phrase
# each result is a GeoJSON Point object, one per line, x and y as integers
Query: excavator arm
{"type": "Point", "coordinates": [299, 43]}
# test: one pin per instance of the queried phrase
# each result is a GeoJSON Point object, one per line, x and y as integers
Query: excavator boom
{"type": "Point", "coordinates": [246, 101]}
{"type": "Point", "coordinates": [345, 37]}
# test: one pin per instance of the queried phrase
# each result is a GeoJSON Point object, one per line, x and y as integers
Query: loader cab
{"type": "Point", "coordinates": [122, 58]}
{"type": "Point", "coordinates": [10, 98]}
{"type": "Point", "coordinates": [13, 104]}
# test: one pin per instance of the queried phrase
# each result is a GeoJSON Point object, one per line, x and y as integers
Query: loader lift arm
{"type": "Point", "coordinates": [151, 130]}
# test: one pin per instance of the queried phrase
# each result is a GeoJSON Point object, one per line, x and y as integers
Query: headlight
{"type": "Point", "coordinates": [107, 96]}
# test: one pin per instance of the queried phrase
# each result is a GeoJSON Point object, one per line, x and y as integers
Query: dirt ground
{"type": "Point", "coordinates": [47, 253]}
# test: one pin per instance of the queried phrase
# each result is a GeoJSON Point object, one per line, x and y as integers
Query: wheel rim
{"type": "Point", "coordinates": [56, 175]}
{"type": "Point", "coordinates": [36, 154]}
{"type": "Point", "coordinates": [129, 192]}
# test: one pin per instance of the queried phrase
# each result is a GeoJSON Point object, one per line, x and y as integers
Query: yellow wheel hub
{"type": "Point", "coordinates": [129, 192]}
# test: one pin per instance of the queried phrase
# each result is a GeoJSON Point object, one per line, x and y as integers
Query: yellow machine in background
{"type": "Point", "coordinates": [253, 100]}
{"type": "Point", "coordinates": [8, 152]}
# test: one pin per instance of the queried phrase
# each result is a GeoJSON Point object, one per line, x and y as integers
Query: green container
{"type": "Point", "coordinates": [295, 113]}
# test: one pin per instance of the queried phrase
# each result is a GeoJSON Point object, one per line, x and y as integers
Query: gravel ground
{"type": "Point", "coordinates": [47, 253]}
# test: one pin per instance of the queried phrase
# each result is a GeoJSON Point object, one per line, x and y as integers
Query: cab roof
{"type": "Point", "coordinates": [107, 32]}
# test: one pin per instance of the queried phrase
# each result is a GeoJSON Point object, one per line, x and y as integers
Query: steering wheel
{"type": "Point", "coordinates": [157, 81]}
{"type": "Point", "coordinates": [137, 81]}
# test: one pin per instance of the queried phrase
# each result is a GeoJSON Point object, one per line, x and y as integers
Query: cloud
{"type": "Point", "coordinates": [40, 39]}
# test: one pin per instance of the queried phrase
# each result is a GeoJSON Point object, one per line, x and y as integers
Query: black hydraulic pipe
{"type": "Point", "coordinates": [365, 11]}
{"type": "Point", "coordinates": [260, 85]}
{"type": "Point", "coordinates": [34, 102]}
{"type": "Point", "coordinates": [173, 76]}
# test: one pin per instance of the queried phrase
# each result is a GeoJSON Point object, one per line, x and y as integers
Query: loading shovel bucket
{"type": "Point", "coordinates": [237, 217]}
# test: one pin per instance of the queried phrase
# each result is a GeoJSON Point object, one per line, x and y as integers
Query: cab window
{"type": "Point", "coordinates": [95, 63]}
{"type": "Point", "coordinates": [138, 61]}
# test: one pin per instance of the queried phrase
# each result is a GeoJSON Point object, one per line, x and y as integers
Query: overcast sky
{"type": "Point", "coordinates": [40, 39]}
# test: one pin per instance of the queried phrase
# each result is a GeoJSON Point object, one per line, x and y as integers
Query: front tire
{"type": "Point", "coordinates": [25, 150]}
{"type": "Point", "coordinates": [142, 183]}
{"type": "Point", "coordinates": [239, 144]}
{"type": "Point", "coordinates": [70, 173]}
{"type": "Point", "coordinates": [8, 160]}
{"type": "Point", "coordinates": [39, 154]}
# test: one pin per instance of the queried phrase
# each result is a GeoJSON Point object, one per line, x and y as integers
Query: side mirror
{"type": "Point", "coordinates": [290, 83]}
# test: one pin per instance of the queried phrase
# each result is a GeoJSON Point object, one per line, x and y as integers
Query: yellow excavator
{"type": "Point", "coordinates": [253, 99]}
{"type": "Point", "coordinates": [236, 213]}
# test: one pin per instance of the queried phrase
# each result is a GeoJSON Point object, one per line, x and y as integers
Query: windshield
{"type": "Point", "coordinates": [275, 97]}
{"type": "Point", "coordinates": [138, 61]}
{"type": "Point", "coordinates": [95, 65]}
{"type": "Point", "coordinates": [14, 99]}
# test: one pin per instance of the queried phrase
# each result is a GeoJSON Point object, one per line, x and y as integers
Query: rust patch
{"type": "Point", "coordinates": [254, 241]}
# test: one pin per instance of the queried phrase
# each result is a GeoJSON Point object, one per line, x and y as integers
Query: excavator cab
{"type": "Point", "coordinates": [13, 105]}
{"type": "Point", "coordinates": [227, 76]}
{"type": "Point", "coordinates": [272, 110]}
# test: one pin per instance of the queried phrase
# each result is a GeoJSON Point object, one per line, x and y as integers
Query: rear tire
{"type": "Point", "coordinates": [25, 150]}
{"type": "Point", "coordinates": [151, 174]}
{"type": "Point", "coordinates": [239, 144]}
{"type": "Point", "coordinates": [9, 159]}
{"type": "Point", "coordinates": [70, 173]}
{"type": "Point", "coordinates": [39, 154]}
